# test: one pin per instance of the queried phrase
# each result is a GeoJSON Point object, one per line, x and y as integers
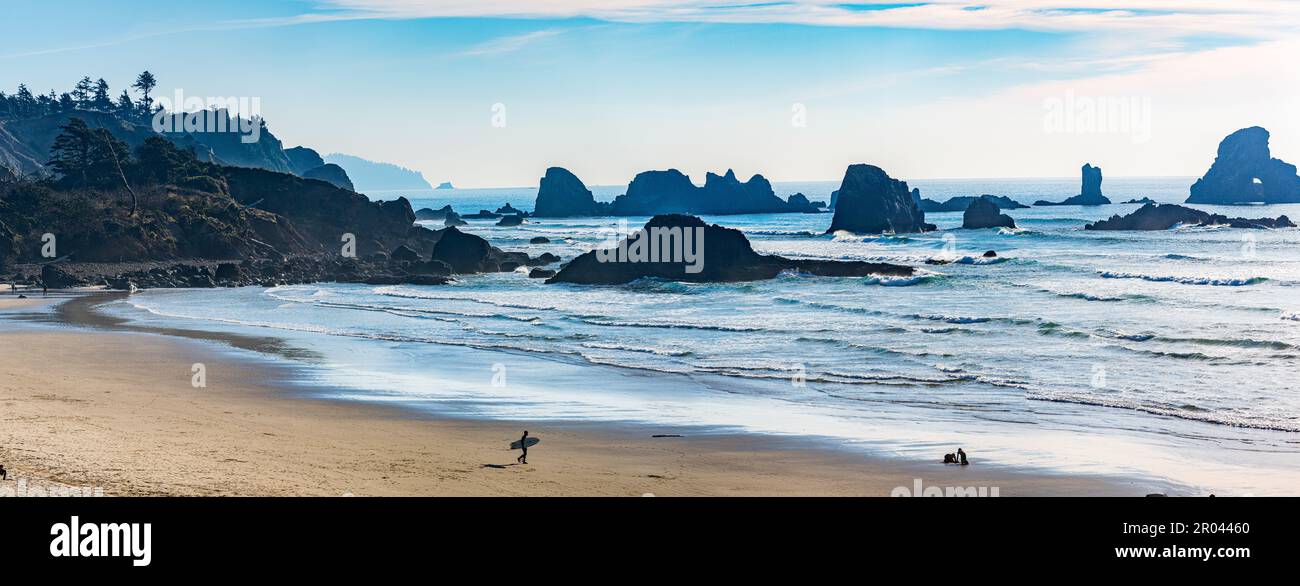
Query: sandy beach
{"type": "Point", "coordinates": [117, 411]}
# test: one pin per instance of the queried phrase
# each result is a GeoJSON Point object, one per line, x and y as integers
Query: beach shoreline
{"type": "Point", "coordinates": [120, 413]}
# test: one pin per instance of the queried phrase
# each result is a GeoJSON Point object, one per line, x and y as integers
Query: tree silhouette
{"type": "Point", "coordinates": [145, 82]}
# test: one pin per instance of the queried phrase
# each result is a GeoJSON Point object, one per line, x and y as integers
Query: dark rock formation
{"type": "Point", "coordinates": [871, 202]}
{"type": "Point", "coordinates": [541, 274]}
{"type": "Point", "coordinates": [664, 192]}
{"type": "Point", "coordinates": [55, 277]}
{"type": "Point", "coordinates": [303, 159]}
{"type": "Point", "coordinates": [510, 220]}
{"type": "Point", "coordinates": [465, 253]}
{"type": "Point", "coordinates": [1166, 216]}
{"type": "Point", "coordinates": [1089, 195]}
{"type": "Point", "coordinates": [438, 215]}
{"type": "Point", "coordinates": [1245, 171]}
{"type": "Point", "coordinates": [990, 254]}
{"type": "Point", "coordinates": [708, 253]}
{"type": "Point", "coordinates": [960, 203]}
{"type": "Point", "coordinates": [453, 219]}
{"type": "Point", "coordinates": [983, 213]}
{"type": "Point", "coordinates": [402, 253]}
{"type": "Point", "coordinates": [332, 174]}
{"type": "Point", "coordinates": [539, 240]}
{"type": "Point", "coordinates": [799, 202]}
{"type": "Point", "coordinates": [1143, 201]}
{"type": "Point", "coordinates": [482, 215]}
{"type": "Point", "coordinates": [508, 209]}
{"type": "Point", "coordinates": [561, 194]}
{"type": "Point", "coordinates": [544, 258]}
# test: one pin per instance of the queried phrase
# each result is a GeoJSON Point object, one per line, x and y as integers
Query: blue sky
{"type": "Point", "coordinates": [945, 88]}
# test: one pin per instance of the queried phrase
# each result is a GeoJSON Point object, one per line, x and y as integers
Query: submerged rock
{"type": "Point", "coordinates": [539, 240]}
{"type": "Point", "coordinates": [983, 213]}
{"type": "Point", "coordinates": [871, 202]}
{"type": "Point", "coordinates": [510, 220]}
{"type": "Point", "coordinates": [1166, 216]}
{"type": "Point", "coordinates": [1244, 171]}
{"type": "Point", "coordinates": [698, 252]}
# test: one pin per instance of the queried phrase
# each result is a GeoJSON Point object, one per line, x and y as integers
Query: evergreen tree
{"type": "Point", "coordinates": [100, 99]}
{"type": "Point", "coordinates": [86, 157]}
{"type": "Point", "coordinates": [82, 93]}
{"type": "Point", "coordinates": [125, 106]}
{"type": "Point", "coordinates": [24, 101]}
{"type": "Point", "coordinates": [145, 82]}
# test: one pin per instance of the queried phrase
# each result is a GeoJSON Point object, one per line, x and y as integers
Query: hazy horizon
{"type": "Point", "coordinates": [492, 93]}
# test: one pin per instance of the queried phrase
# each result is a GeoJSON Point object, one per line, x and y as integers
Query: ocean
{"type": "Point", "coordinates": [1171, 355]}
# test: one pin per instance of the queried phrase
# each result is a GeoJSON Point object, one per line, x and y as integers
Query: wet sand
{"type": "Point", "coordinates": [115, 409]}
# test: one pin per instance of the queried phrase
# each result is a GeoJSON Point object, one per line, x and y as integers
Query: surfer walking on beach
{"type": "Point", "coordinates": [523, 445]}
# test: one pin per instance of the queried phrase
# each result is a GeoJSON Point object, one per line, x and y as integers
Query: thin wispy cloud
{"type": "Point", "coordinates": [1245, 18]}
{"type": "Point", "coordinates": [510, 44]}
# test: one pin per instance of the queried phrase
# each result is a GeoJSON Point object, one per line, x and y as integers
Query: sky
{"type": "Point", "coordinates": [489, 93]}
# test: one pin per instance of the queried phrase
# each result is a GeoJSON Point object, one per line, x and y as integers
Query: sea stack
{"type": "Point", "coordinates": [872, 202]}
{"type": "Point", "coordinates": [709, 253]}
{"type": "Point", "coordinates": [1245, 172]}
{"type": "Point", "coordinates": [562, 194]}
{"type": "Point", "coordinates": [1091, 190]}
{"type": "Point", "coordinates": [983, 213]}
{"type": "Point", "coordinates": [1089, 194]}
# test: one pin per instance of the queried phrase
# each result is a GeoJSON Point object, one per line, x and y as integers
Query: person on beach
{"type": "Point", "coordinates": [4, 474]}
{"type": "Point", "coordinates": [523, 445]}
{"type": "Point", "coordinates": [962, 455]}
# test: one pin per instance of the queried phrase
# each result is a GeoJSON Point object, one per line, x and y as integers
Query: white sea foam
{"type": "Point", "coordinates": [1213, 281]}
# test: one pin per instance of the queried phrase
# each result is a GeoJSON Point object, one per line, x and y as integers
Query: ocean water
{"type": "Point", "coordinates": [1171, 355]}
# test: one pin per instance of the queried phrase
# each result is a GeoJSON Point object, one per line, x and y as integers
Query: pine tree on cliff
{"type": "Point", "coordinates": [85, 157]}
{"type": "Point", "coordinates": [145, 82]}
{"type": "Point", "coordinates": [81, 93]}
{"type": "Point", "coordinates": [100, 99]}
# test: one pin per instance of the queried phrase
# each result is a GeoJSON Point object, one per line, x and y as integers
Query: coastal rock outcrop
{"type": "Point", "coordinates": [454, 219]}
{"type": "Point", "coordinates": [303, 159]}
{"type": "Point", "coordinates": [1244, 171]}
{"type": "Point", "coordinates": [332, 174]}
{"type": "Point", "coordinates": [1166, 216]}
{"type": "Point", "coordinates": [510, 220]}
{"type": "Point", "coordinates": [983, 213]}
{"type": "Point", "coordinates": [561, 194]}
{"type": "Point", "coordinates": [872, 202]}
{"type": "Point", "coordinates": [703, 253]}
{"type": "Point", "coordinates": [960, 203]}
{"type": "Point", "coordinates": [1089, 193]}
{"type": "Point", "coordinates": [430, 214]}
{"type": "Point", "coordinates": [671, 192]}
